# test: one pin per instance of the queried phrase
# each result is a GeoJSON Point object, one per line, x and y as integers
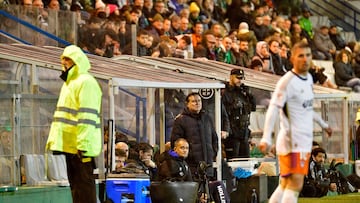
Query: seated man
{"type": "Point", "coordinates": [144, 160]}
{"type": "Point", "coordinates": [120, 160]}
{"type": "Point", "coordinates": [316, 183]}
{"type": "Point", "coordinates": [172, 165]}
{"type": "Point", "coordinates": [123, 147]}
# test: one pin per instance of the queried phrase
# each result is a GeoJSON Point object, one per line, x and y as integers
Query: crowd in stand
{"type": "Point", "coordinates": [250, 34]}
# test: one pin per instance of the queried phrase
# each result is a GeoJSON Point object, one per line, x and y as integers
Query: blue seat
{"type": "Point", "coordinates": [128, 190]}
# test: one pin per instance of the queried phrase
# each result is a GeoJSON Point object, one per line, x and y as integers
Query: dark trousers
{"type": "Point", "coordinates": [237, 146]}
{"type": "Point", "coordinates": [241, 148]}
{"type": "Point", "coordinates": [81, 179]}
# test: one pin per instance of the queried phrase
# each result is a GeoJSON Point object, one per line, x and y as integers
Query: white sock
{"type": "Point", "coordinates": [290, 196]}
{"type": "Point", "coordinates": [277, 195]}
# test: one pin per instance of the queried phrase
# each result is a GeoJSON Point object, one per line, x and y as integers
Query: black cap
{"type": "Point", "coordinates": [238, 72]}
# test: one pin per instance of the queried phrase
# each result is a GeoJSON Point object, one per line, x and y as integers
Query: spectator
{"type": "Point", "coordinates": [344, 73]}
{"type": "Point", "coordinates": [166, 27]}
{"type": "Point", "coordinates": [184, 13]}
{"type": "Point", "coordinates": [261, 31]}
{"type": "Point", "coordinates": [120, 160]}
{"type": "Point", "coordinates": [123, 33]}
{"type": "Point", "coordinates": [143, 21]}
{"type": "Point", "coordinates": [152, 47]}
{"type": "Point", "coordinates": [147, 8]}
{"type": "Point", "coordinates": [167, 47]}
{"type": "Point", "coordinates": [245, 34]}
{"type": "Point", "coordinates": [267, 21]}
{"type": "Point", "coordinates": [226, 54]}
{"type": "Point", "coordinates": [336, 38]}
{"type": "Point", "coordinates": [207, 47]}
{"type": "Point", "coordinates": [123, 148]}
{"type": "Point", "coordinates": [194, 15]}
{"type": "Point", "coordinates": [89, 33]}
{"type": "Point", "coordinates": [297, 34]}
{"type": "Point", "coordinates": [233, 35]}
{"type": "Point", "coordinates": [285, 57]}
{"type": "Point", "coordinates": [241, 54]}
{"type": "Point", "coordinates": [144, 160]}
{"type": "Point", "coordinates": [156, 28]}
{"type": "Point", "coordinates": [54, 5]}
{"type": "Point", "coordinates": [172, 165]}
{"type": "Point", "coordinates": [211, 14]}
{"type": "Point", "coordinates": [100, 9]}
{"type": "Point", "coordinates": [197, 128]}
{"type": "Point", "coordinates": [182, 47]}
{"type": "Point", "coordinates": [305, 23]}
{"type": "Point", "coordinates": [161, 8]}
{"type": "Point", "coordinates": [287, 27]}
{"type": "Point", "coordinates": [141, 38]}
{"type": "Point", "coordinates": [276, 60]}
{"type": "Point", "coordinates": [198, 30]}
{"type": "Point", "coordinates": [294, 17]}
{"type": "Point", "coordinates": [184, 26]}
{"type": "Point", "coordinates": [133, 17]}
{"type": "Point", "coordinates": [261, 60]}
{"type": "Point", "coordinates": [175, 25]}
{"type": "Point", "coordinates": [105, 44]}
{"type": "Point", "coordinates": [177, 5]}
{"type": "Point", "coordinates": [238, 12]}
{"type": "Point", "coordinates": [325, 49]}
{"type": "Point", "coordinates": [316, 183]}
{"type": "Point", "coordinates": [218, 30]}
{"type": "Point", "coordinates": [238, 102]}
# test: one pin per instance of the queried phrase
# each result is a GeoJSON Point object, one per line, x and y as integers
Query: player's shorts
{"type": "Point", "coordinates": [296, 162]}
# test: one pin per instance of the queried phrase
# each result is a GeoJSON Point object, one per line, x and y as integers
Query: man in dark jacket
{"type": "Point", "coordinates": [207, 47]}
{"type": "Point", "coordinates": [144, 161]}
{"type": "Point", "coordinates": [316, 183]}
{"type": "Point", "coordinates": [239, 103]}
{"type": "Point", "coordinates": [141, 38]}
{"type": "Point", "coordinates": [197, 128]}
{"type": "Point", "coordinates": [172, 165]}
{"type": "Point", "coordinates": [336, 38]}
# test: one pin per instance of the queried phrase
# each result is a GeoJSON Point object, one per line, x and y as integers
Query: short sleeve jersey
{"type": "Point", "coordinates": [294, 96]}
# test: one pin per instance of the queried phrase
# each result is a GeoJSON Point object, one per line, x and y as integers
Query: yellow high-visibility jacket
{"type": "Point", "coordinates": [76, 125]}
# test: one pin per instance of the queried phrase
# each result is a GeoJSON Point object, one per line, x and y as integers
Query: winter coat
{"type": "Point", "coordinates": [198, 130]}
{"type": "Point", "coordinates": [343, 73]}
{"type": "Point", "coordinates": [173, 167]}
{"type": "Point", "coordinates": [238, 102]}
{"type": "Point", "coordinates": [76, 125]}
{"type": "Point", "coordinates": [323, 43]}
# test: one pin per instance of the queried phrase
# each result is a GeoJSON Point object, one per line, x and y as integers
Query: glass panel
{"type": "Point", "coordinates": [129, 112]}
{"type": "Point", "coordinates": [7, 146]}
{"type": "Point", "coordinates": [59, 23]}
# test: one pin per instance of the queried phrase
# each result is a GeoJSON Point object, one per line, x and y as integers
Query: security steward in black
{"type": "Point", "coordinates": [238, 102]}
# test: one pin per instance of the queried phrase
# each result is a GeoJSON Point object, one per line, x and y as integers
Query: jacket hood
{"type": "Point", "coordinates": [82, 63]}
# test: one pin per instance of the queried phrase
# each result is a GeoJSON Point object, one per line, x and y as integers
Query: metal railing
{"type": "Point", "coordinates": [340, 13]}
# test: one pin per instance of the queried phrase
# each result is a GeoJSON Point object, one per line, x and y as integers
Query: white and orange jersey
{"type": "Point", "coordinates": [293, 101]}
